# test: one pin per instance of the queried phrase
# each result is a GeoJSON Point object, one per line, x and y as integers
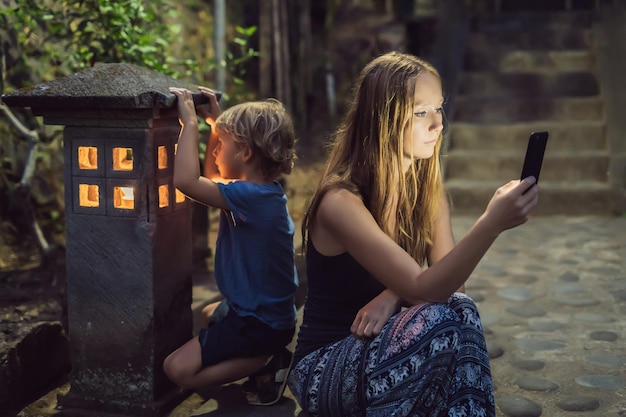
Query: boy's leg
{"type": "Point", "coordinates": [184, 367]}
{"type": "Point", "coordinates": [207, 312]}
{"type": "Point", "coordinates": [266, 387]}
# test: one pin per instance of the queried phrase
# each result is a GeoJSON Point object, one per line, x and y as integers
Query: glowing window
{"type": "Point", "coordinates": [88, 195]}
{"type": "Point", "coordinates": [164, 196]}
{"type": "Point", "coordinates": [123, 159]}
{"type": "Point", "coordinates": [124, 198]}
{"type": "Point", "coordinates": [162, 157]}
{"type": "Point", "coordinates": [180, 197]}
{"type": "Point", "coordinates": [87, 157]}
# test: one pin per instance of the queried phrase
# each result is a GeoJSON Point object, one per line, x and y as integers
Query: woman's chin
{"type": "Point", "coordinates": [408, 159]}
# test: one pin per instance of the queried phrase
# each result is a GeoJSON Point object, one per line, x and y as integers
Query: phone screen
{"type": "Point", "coordinates": [534, 155]}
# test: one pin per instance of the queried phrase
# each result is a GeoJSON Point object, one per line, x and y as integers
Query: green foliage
{"type": "Point", "coordinates": [74, 34]}
{"type": "Point", "coordinates": [238, 55]}
{"type": "Point", "coordinates": [58, 37]}
{"type": "Point", "coordinates": [242, 53]}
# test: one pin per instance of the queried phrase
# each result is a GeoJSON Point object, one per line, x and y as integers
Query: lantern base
{"type": "Point", "coordinates": [77, 405]}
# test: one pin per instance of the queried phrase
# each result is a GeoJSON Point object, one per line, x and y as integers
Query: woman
{"type": "Point", "coordinates": [378, 237]}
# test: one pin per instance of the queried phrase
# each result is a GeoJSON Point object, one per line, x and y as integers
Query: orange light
{"type": "Point", "coordinates": [87, 157]}
{"type": "Point", "coordinates": [123, 159]}
{"type": "Point", "coordinates": [88, 195]}
{"type": "Point", "coordinates": [124, 198]}
{"type": "Point", "coordinates": [162, 157]}
{"type": "Point", "coordinates": [180, 197]}
{"type": "Point", "coordinates": [164, 196]}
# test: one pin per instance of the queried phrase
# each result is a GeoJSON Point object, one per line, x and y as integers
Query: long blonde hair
{"type": "Point", "coordinates": [367, 155]}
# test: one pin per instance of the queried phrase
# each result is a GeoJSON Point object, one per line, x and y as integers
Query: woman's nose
{"type": "Point", "coordinates": [436, 123]}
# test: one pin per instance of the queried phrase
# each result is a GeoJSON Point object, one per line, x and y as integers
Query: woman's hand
{"type": "Point", "coordinates": [511, 204]}
{"type": "Point", "coordinates": [370, 319]}
{"type": "Point", "coordinates": [210, 110]}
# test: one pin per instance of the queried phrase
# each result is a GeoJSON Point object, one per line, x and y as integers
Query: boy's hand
{"type": "Point", "coordinates": [212, 109]}
{"type": "Point", "coordinates": [186, 107]}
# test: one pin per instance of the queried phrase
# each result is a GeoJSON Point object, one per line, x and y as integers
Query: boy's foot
{"type": "Point", "coordinates": [266, 387]}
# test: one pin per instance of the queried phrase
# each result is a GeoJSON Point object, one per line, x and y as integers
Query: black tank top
{"type": "Point", "coordinates": [338, 287]}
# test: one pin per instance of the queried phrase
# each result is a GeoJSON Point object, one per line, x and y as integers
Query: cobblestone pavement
{"type": "Point", "coordinates": [552, 296]}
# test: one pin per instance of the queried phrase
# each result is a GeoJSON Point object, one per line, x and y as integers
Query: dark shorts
{"type": "Point", "coordinates": [232, 336]}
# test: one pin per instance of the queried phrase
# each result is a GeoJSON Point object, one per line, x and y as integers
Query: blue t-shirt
{"type": "Point", "coordinates": [254, 256]}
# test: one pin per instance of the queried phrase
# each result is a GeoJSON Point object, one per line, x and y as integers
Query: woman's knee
{"type": "Point", "coordinates": [466, 309]}
{"type": "Point", "coordinates": [460, 300]}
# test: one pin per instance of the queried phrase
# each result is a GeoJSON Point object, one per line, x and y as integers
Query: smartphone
{"type": "Point", "coordinates": [534, 155]}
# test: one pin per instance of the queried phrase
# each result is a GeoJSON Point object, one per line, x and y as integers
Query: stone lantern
{"type": "Point", "coordinates": [128, 234]}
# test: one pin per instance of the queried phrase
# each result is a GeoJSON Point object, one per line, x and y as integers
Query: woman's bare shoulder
{"type": "Point", "coordinates": [338, 202]}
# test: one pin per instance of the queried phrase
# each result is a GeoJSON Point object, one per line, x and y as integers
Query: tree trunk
{"type": "Point", "coordinates": [283, 62]}
{"type": "Point", "coordinates": [220, 44]}
{"type": "Point", "coordinates": [305, 51]}
{"type": "Point", "coordinates": [274, 69]}
{"type": "Point", "coordinates": [265, 48]}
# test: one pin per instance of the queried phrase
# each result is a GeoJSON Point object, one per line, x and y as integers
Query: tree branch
{"type": "Point", "coordinates": [32, 137]}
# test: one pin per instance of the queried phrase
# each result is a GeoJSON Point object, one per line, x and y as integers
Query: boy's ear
{"type": "Point", "coordinates": [246, 153]}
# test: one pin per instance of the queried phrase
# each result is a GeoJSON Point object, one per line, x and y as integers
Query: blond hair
{"type": "Point", "coordinates": [367, 156]}
{"type": "Point", "coordinates": [267, 128]}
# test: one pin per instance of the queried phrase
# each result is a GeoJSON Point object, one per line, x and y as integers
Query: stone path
{"type": "Point", "coordinates": [552, 295]}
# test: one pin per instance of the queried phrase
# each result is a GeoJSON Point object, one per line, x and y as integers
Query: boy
{"type": "Point", "coordinates": [250, 146]}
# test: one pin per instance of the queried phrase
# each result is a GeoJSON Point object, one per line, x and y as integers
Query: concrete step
{"type": "Point", "coordinates": [571, 198]}
{"type": "Point", "coordinates": [517, 110]}
{"type": "Point", "coordinates": [524, 21]}
{"type": "Point", "coordinates": [561, 166]}
{"type": "Point", "coordinates": [512, 60]}
{"type": "Point", "coordinates": [573, 135]}
{"type": "Point", "coordinates": [491, 84]}
{"type": "Point", "coordinates": [531, 39]}
{"type": "Point", "coordinates": [543, 5]}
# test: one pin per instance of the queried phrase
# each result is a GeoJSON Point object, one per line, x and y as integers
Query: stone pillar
{"type": "Point", "coordinates": [128, 234]}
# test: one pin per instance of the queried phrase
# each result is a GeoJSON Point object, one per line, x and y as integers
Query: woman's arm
{"type": "Point", "coordinates": [371, 318]}
{"type": "Point", "coordinates": [343, 219]}
{"type": "Point", "coordinates": [443, 241]}
{"type": "Point", "coordinates": [187, 176]}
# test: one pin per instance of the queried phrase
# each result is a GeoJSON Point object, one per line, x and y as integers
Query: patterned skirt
{"type": "Point", "coordinates": [429, 360]}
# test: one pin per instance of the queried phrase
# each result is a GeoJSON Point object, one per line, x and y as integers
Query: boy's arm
{"type": "Point", "coordinates": [210, 169]}
{"type": "Point", "coordinates": [209, 113]}
{"type": "Point", "coordinates": [187, 176]}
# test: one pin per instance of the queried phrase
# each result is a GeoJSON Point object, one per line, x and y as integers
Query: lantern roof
{"type": "Point", "coordinates": [104, 86]}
